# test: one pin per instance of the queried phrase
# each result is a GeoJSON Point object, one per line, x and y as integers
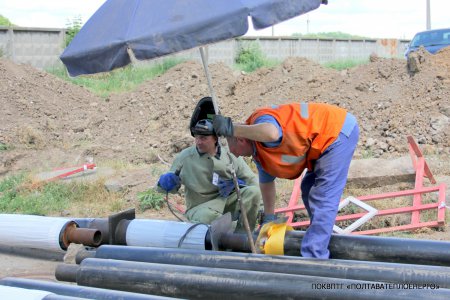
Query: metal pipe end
{"type": "Point", "coordinates": [66, 272]}
{"type": "Point", "coordinates": [83, 254]}
{"type": "Point", "coordinates": [85, 236]}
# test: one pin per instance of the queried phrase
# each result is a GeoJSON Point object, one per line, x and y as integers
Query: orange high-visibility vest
{"type": "Point", "coordinates": [308, 129]}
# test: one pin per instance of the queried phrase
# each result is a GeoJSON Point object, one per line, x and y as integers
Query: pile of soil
{"type": "Point", "coordinates": [44, 117]}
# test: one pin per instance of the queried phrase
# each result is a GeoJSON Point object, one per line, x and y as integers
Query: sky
{"type": "Point", "coordinates": [399, 19]}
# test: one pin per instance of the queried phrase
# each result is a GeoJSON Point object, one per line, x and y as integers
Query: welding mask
{"type": "Point", "coordinates": [203, 127]}
{"type": "Point", "coordinates": [204, 111]}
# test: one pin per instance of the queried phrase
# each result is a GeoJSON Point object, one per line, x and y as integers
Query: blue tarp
{"type": "Point", "coordinates": [154, 28]}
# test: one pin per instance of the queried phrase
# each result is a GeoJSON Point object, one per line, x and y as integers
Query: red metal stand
{"type": "Point", "coordinates": [422, 170]}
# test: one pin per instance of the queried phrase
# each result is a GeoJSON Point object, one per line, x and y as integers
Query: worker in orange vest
{"type": "Point", "coordinates": [284, 140]}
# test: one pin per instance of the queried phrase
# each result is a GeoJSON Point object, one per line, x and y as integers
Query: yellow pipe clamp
{"type": "Point", "coordinates": [271, 237]}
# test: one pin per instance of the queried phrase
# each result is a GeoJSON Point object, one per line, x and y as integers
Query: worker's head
{"type": "Point", "coordinates": [240, 146]}
{"type": "Point", "coordinates": [205, 138]}
{"type": "Point", "coordinates": [203, 127]}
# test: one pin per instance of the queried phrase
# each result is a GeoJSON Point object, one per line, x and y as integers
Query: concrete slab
{"type": "Point", "coordinates": [375, 172]}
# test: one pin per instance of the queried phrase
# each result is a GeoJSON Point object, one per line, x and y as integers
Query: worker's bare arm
{"type": "Point", "coordinates": [263, 132]}
{"type": "Point", "coordinates": [268, 193]}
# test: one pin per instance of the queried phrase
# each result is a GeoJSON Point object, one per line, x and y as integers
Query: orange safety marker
{"type": "Point", "coordinates": [78, 169]}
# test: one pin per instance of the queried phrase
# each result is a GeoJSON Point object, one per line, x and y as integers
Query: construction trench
{"type": "Point", "coordinates": [128, 258]}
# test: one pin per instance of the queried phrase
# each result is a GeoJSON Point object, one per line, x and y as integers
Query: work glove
{"type": "Point", "coordinates": [266, 218]}
{"type": "Point", "coordinates": [223, 126]}
{"type": "Point", "coordinates": [169, 181]}
{"type": "Point", "coordinates": [226, 187]}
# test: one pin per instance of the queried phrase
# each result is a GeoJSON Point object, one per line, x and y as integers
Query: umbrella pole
{"type": "Point", "coordinates": [233, 170]}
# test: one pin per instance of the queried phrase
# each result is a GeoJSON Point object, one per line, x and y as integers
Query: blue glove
{"type": "Point", "coordinates": [169, 181]}
{"type": "Point", "coordinates": [227, 186]}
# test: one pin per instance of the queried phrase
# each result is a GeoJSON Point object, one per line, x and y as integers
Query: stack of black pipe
{"type": "Point", "coordinates": [196, 274]}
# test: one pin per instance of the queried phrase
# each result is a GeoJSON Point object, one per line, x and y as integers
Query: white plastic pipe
{"type": "Point", "coordinates": [165, 234]}
{"type": "Point", "coordinates": [15, 293]}
{"type": "Point", "coordinates": [31, 231]}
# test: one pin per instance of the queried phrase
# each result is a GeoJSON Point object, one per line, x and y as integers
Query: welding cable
{"type": "Point", "coordinates": [180, 242]}
{"type": "Point", "coordinates": [177, 172]}
{"type": "Point", "coordinates": [170, 208]}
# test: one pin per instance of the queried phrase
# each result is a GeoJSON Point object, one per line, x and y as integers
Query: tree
{"type": "Point", "coordinates": [5, 21]}
{"type": "Point", "coordinates": [73, 27]}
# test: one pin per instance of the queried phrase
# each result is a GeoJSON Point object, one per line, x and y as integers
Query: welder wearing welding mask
{"type": "Point", "coordinates": [286, 139]}
{"type": "Point", "coordinates": [209, 190]}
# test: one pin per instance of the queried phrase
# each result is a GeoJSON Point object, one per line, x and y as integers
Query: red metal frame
{"type": "Point", "coordinates": [422, 170]}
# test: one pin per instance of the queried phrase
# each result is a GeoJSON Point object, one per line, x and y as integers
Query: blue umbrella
{"type": "Point", "coordinates": [154, 28]}
{"type": "Point", "coordinates": [145, 29]}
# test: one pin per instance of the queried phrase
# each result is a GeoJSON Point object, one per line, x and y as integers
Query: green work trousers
{"type": "Point", "coordinates": [213, 209]}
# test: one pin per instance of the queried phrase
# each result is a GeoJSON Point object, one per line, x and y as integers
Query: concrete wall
{"type": "Point", "coordinates": [41, 47]}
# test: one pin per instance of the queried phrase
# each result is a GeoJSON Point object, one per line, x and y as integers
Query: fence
{"type": "Point", "coordinates": [41, 47]}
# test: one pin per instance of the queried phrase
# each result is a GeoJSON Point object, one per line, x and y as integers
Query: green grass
{"type": "Point", "coordinates": [11, 183]}
{"type": "Point", "coordinates": [18, 194]}
{"type": "Point", "coordinates": [150, 199]}
{"type": "Point", "coordinates": [3, 147]}
{"type": "Point", "coordinates": [15, 197]}
{"type": "Point", "coordinates": [345, 64]}
{"type": "Point", "coordinates": [250, 58]}
{"type": "Point", "coordinates": [367, 153]}
{"type": "Point", "coordinates": [119, 80]}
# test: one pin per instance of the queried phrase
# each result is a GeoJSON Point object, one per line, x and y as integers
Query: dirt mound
{"type": "Point", "coordinates": [40, 111]}
{"type": "Point", "coordinates": [442, 59]}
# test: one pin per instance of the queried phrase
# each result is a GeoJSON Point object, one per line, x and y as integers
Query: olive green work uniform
{"type": "Point", "coordinates": [199, 174]}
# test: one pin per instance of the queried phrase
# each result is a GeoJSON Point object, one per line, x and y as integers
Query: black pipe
{"type": "Point", "coordinates": [210, 283]}
{"type": "Point", "coordinates": [83, 254]}
{"type": "Point", "coordinates": [367, 248]}
{"type": "Point", "coordinates": [347, 269]}
{"type": "Point", "coordinates": [74, 290]}
{"type": "Point", "coordinates": [33, 253]}
{"type": "Point", "coordinates": [66, 272]}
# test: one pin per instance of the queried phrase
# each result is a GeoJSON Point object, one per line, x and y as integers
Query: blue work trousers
{"type": "Point", "coordinates": [322, 190]}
